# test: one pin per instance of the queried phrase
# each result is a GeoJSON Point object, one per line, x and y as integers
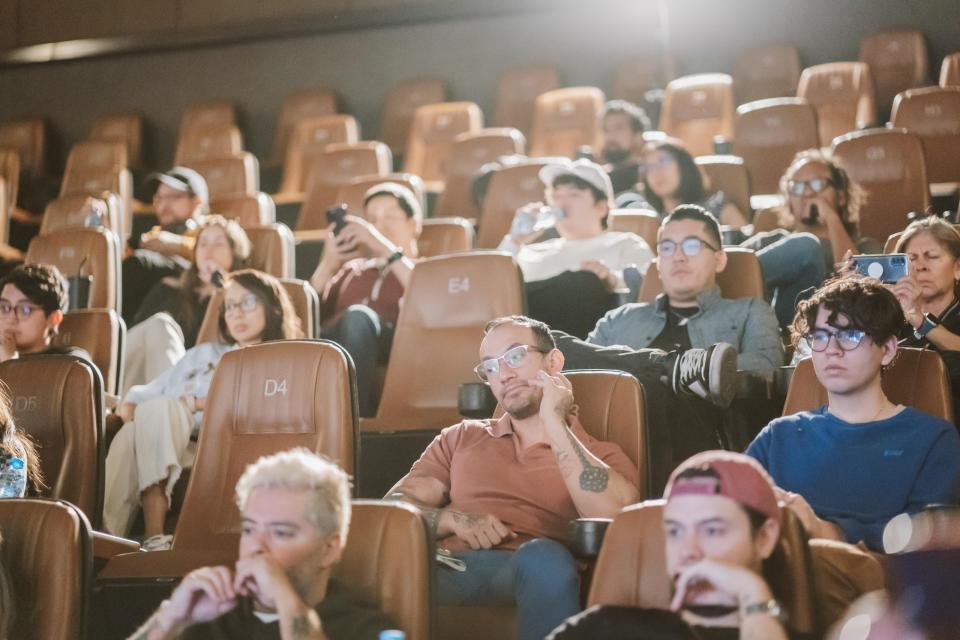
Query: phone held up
{"type": "Point", "coordinates": [337, 217]}
{"type": "Point", "coordinates": [887, 268]}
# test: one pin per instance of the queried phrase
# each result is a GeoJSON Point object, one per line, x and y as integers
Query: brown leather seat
{"type": "Point", "coordinates": [69, 211]}
{"type": "Point", "coordinates": [399, 105]}
{"type": "Point", "coordinates": [10, 173]}
{"type": "Point", "coordinates": [917, 378]}
{"type": "Point", "coordinates": [83, 251]}
{"type": "Point", "coordinates": [227, 176]}
{"type": "Point", "coordinates": [58, 402]}
{"type": "Point", "coordinates": [309, 103]}
{"type": "Point", "coordinates": [889, 165]}
{"type": "Point", "coordinates": [264, 399]}
{"type": "Point", "coordinates": [446, 305]}
{"type": "Point", "coordinates": [247, 210]}
{"type": "Point", "coordinates": [898, 61]}
{"type": "Point", "coordinates": [643, 223]}
{"type": "Point", "coordinates": [842, 94]}
{"type": "Point", "coordinates": [6, 210]}
{"type": "Point", "coordinates": [517, 91]}
{"type": "Point", "coordinates": [126, 128]}
{"type": "Point", "coordinates": [101, 333]}
{"type": "Point", "coordinates": [388, 561]}
{"type": "Point", "coordinates": [305, 301]}
{"type": "Point", "coordinates": [950, 71]}
{"type": "Point", "coordinates": [741, 279]}
{"type": "Point", "coordinates": [29, 137]}
{"type": "Point", "coordinates": [272, 249]}
{"type": "Point", "coordinates": [47, 550]}
{"type": "Point", "coordinates": [510, 188]}
{"type": "Point", "coordinates": [631, 569]}
{"type": "Point", "coordinates": [351, 194]}
{"type": "Point", "coordinates": [768, 134]}
{"type": "Point", "coordinates": [698, 108]}
{"type": "Point", "coordinates": [210, 113]}
{"type": "Point", "coordinates": [443, 236]}
{"type": "Point", "coordinates": [92, 158]}
{"type": "Point", "coordinates": [468, 153]}
{"type": "Point", "coordinates": [337, 166]}
{"type": "Point", "coordinates": [307, 143]}
{"type": "Point", "coordinates": [434, 128]}
{"type": "Point", "coordinates": [933, 114]}
{"type": "Point", "coordinates": [633, 77]}
{"type": "Point", "coordinates": [769, 71]}
{"type": "Point", "coordinates": [728, 174]}
{"type": "Point", "coordinates": [565, 120]}
{"type": "Point", "coordinates": [210, 141]}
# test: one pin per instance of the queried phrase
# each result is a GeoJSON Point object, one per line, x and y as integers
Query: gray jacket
{"type": "Point", "coordinates": [749, 324]}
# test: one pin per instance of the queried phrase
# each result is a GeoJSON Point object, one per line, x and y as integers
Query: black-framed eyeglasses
{"type": "Point", "coordinates": [513, 357]}
{"type": "Point", "coordinates": [847, 339]}
{"type": "Point", "coordinates": [22, 310]}
{"type": "Point", "coordinates": [246, 304]}
{"type": "Point", "coordinates": [815, 185]}
{"type": "Point", "coordinates": [690, 246]}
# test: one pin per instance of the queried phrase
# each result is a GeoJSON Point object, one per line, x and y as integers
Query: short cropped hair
{"type": "Point", "coordinates": [699, 214]}
{"type": "Point", "coordinates": [869, 306]}
{"type": "Point", "coordinates": [42, 284]}
{"type": "Point", "coordinates": [639, 121]}
{"type": "Point", "coordinates": [302, 470]}
{"type": "Point", "coordinates": [541, 331]}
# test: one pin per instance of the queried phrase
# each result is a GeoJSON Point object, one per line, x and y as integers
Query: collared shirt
{"type": "Point", "coordinates": [486, 471]}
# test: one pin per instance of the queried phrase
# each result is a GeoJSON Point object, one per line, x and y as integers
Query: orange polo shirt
{"type": "Point", "coordinates": [482, 465]}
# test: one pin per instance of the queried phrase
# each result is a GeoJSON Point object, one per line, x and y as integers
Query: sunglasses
{"type": "Point", "coordinates": [815, 185]}
{"type": "Point", "coordinates": [513, 358]}
{"type": "Point", "coordinates": [847, 339]}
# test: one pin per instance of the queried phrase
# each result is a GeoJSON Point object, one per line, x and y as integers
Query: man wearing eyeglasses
{"type": "Point", "coordinates": [687, 346]}
{"type": "Point", "coordinates": [848, 467]}
{"type": "Point", "coordinates": [500, 493]}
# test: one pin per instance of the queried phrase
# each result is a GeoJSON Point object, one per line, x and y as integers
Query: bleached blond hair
{"type": "Point", "coordinates": [302, 470]}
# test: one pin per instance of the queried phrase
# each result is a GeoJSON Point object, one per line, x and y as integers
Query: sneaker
{"type": "Point", "coordinates": [709, 373]}
{"type": "Point", "coordinates": [159, 542]}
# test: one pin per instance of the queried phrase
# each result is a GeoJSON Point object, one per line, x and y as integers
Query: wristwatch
{"type": "Point", "coordinates": [769, 607]}
{"type": "Point", "coordinates": [393, 257]}
{"type": "Point", "coordinates": [928, 325]}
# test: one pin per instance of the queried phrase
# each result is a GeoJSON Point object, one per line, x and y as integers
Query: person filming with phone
{"type": "Point", "coordinates": [361, 277]}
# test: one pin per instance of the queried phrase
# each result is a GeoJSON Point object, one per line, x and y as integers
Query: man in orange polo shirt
{"type": "Point", "coordinates": [500, 493]}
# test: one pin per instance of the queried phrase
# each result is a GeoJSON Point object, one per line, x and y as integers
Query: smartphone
{"type": "Point", "coordinates": [337, 217]}
{"type": "Point", "coordinates": [813, 215]}
{"type": "Point", "coordinates": [887, 268]}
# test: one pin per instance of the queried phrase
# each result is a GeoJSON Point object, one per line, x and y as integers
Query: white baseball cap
{"type": "Point", "coordinates": [587, 170]}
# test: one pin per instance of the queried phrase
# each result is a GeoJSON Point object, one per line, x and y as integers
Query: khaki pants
{"type": "Point", "coordinates": [152, 347]}
{"type": "Point", "coordinates": [154, 447]}
{"type": "Point", "coordinates": [842, 573]}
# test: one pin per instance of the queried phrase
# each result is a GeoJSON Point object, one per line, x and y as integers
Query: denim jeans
{"type": "Point", "coordinates": [367, 340]}
{"type": "Point", "coordinates": [791, 266]}
{"type": "Point", "coordinates": [540, 577]}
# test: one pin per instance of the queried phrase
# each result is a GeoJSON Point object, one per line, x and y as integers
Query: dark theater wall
{"type": "Point", "coordinates": [585, 40]}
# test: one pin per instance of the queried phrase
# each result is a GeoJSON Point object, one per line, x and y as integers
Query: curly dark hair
{"type": "Point", "coordinates": [43, 284]}
{"type": "Point", "coordinates": [282, 322]}
{"type": "Point", "coordinates": [867, 304]}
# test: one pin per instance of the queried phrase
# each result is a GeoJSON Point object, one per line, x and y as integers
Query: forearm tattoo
{"type": "Point", "coordinates": [431, 515]}
{"type": "Point", "coordinates": [592, 477]}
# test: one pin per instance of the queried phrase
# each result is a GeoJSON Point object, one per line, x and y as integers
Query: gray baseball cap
{"type": "Point", "coordinates": [589, 172]}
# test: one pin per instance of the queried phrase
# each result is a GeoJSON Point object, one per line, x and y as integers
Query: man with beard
{"type": "Point", "coordinates": [500, 493]}
{"type": "Point", "coordinates": [296, 513]}
{"type": "Point", "coordinates": [623, 124]}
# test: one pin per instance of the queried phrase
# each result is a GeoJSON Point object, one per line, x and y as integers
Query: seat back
{"type": "Point", "coordinates": [10, 173]}
{"type": "Point", "coordinates": [6, 210]}
{"type": "Point", "coordinates": [211, 141]}
{"type": "Point", "coordinates": [643, 223]}
{"type": "Point", "coordinates": [118, 180]}
{"type": "Point", "coordinates": [768, 134]}
{"type": "Point", "coordinates": [741, 279]}
{"type": "Point", "coordinates": [101, 333]}
{"type": "Point", "coordinates": [468, 153]}
{"type": "Point", "coordinates": [933, 115]}
{"type": "Point", "coordinates": [227, 176]}
{"type": "Point", "coordinates": [70, 211]}
{"type": "Point", "coordinates": [58, 402]}
{"type": "Point", "coordinates": [698, 108]}
{"type": "Point", "coordinates": [448, 302]}
{"type": "Point", "coordinates": [889, 165]}
{"type": "Point", "coordinates": [950, 71]}
{"type": "Point", "coordinates": [29, 137]}
{"type": "Point", "coordinates": [435, 126]}
{"type": "Point", "coordinates": [517, 92]}
{"type": "Point", "coordinates": [388, 561]}
{"type": "Point", "coordinates": [47, 550]}
{"type": "Point", "coordinates": [401, 102]}
{"type": "Point", "coordinates": [84, 251]}
{"type": "Point", "coordinates": [510, 188]}
{"type": "Point", "coordinates": [898, 61]}
{"type": "Point", "coordinates": [917, 378]}
{"type": "Point", "coordinates": [770, 71]}
{"type": "Point", "coordinates": [264, 399]}
{"type": "Point", "coordinates": [843, 96]}
{"type": "Point", "coordinates": [302, 105]}
{"type": "Point", "coordinates": [307, 143]}
{"type": "Point", "coordinates": [211, 113]}
{"type": "Point", "coordinates": [631, 569]}
{"type": "Point", "coordinates": [565, 120]}
{"type": "Point", "coordinates": [728, 174]}
{"type": "Point", "coordinates": [337, 166]}
{"type": "Point", "coordinates": [125, 128]}
{"type": "Point", "coordinates": [306, 304]}
{"type": "Point", "coordinates": [633, 77]}
{"type": "Point", "coordinates": [247, 210]}
{"type": "Point", "coordinates": [443, 236]}
{"type": "Point", "coordinates": [351, 194]}
{"type": "Point", "coordinates": [92, 158]}
{"type": "Point", "coordinates": [272, 249]}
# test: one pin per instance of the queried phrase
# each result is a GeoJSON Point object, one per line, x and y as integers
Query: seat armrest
{"type": "Point", "coordinates": [288, 198]}
{"type": "Point", "coordinates": [585, 536]}
{"type": "Point", "coordinates": [106, 546]}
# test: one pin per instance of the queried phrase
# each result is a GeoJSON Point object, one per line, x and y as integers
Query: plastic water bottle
{"type": "Point", "coordinates": [13, 477]}
{"type": "Point", "coordinates": [93, 219]}
{"type": "Point", "coordinates": [526, 221]}
{"type": "Point", "coordinates": [392, 634]}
